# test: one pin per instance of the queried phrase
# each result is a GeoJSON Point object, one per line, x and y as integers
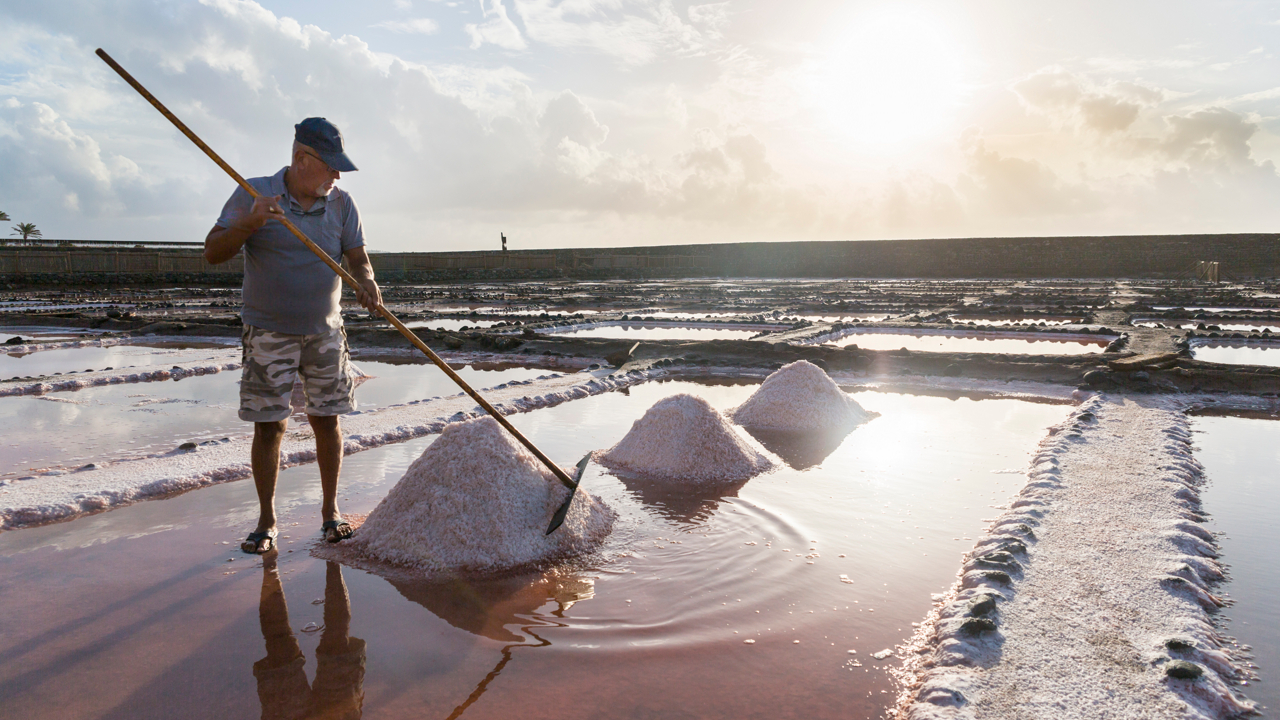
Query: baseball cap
{"type": "Point", "coordinates": [325, 138]}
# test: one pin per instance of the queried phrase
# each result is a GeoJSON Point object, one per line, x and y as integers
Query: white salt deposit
{"type": "Point", "coordinates": [478, 500]}
{"type": "Point", "coordinates": [682, 438]}
{"type": "Point", "coordinates": [800, 397]}
{"type": "Point", "coordinates": [1089, 588]}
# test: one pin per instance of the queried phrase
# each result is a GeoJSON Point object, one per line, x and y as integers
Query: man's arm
{"type": "Point", "coordinates": [222, 243]}
{"type": "Point", "coordinates": [362, 270]}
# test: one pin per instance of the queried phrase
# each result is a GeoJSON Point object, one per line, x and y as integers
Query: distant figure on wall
{"type": "Point", "coordinates": [504, 241]}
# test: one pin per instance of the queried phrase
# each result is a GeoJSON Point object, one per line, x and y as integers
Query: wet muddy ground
{"type": "Point", "coordinates": [656, 623]}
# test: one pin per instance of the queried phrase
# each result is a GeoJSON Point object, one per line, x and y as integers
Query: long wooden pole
{"type": "Point", "coordinates": [346, 276]}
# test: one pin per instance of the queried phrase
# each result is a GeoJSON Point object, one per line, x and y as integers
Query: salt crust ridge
{"type": "Point", "coordinates": [960, 331]}
{"type": "Point", "coordinates": [1099, 562]}
{"type": "Point", "coordinates": [799, 397]}
{"type": "Point", "coordinates": [476, 500]}
{"type": "Point", "coordinates": [683, 439]}
{"type": "Point", "coordinates": [61, 494]}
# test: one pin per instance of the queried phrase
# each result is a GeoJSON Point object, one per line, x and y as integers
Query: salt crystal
{"type": "Point", "coordinates": [682, 438]}
{"type": "Point", "coordinates": [800, 397]}
{"type": "Point", "coordinates": [748, 641]}
{"type": "Point", "coordinates": [477, 500]}
{"type": "Point", "coordinates": [882, 654]}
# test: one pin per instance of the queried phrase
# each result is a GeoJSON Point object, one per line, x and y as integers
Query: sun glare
{"type": "Point", "coordinates": [892, 78]}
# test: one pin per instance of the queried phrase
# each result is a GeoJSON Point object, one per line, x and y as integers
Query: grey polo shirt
{"type": "Point", "coordinates": [287, 289]}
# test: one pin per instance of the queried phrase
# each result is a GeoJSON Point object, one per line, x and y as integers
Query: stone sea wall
{"type": "Point", "coordinates": [1164, 256]}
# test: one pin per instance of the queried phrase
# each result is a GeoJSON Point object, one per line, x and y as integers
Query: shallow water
{"type": "Point", "coordinates": [1238, 354]}
{"type": "Point", "coordinates": [451, 324]}
{"type": "Point", "coordinates": [118, 357]}
{"type": "Point", "coordinates": [642, 331]}
{"type": "Point", "coordinates": [133, 419]}
{"type": "Point", "coordinates": [1258, 326]}
{"type": "Point", "coordinates": [1242, 496]}
{"type": "Point", "coordinates": [1004, 321]}
{"type": "Point", "coordinates": [151, 618]}
{"type": "Point", "coordinates": [970, 344]}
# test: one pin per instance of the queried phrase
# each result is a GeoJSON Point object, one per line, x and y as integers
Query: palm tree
{"type": "Point", "coordinates": [4, 216]}
{"type": "Point", "coordinates": [27, 231]}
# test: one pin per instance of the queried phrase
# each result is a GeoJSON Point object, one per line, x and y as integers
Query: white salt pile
{"type": "Point", "coordinates": [800, 397]}
{"type": "Point", "coordinates": [682, 438]}
{"type": "Point", "coordinates": [476, 500]}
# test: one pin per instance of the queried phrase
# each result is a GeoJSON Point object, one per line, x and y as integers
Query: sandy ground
{"type": "Point", "coordinates": [1092, 595]}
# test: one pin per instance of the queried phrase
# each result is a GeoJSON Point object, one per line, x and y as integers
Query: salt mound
{"type": "Point", "coordinates": [683, 438]}
{"type": "Point", "coordinates": [800, 397]}
{"type": "Point", "coordinates": [478, 500]}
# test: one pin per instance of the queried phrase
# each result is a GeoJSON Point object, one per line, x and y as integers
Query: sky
{"type": "Point", "coordinates": [606, 123]}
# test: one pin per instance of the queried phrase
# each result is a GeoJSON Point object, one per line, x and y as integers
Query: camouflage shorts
{"type": "Point", "coordinates": [274, 361]}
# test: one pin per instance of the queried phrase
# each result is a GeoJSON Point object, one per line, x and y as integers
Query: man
{"type": "Point", "coordinates": [292, 323]}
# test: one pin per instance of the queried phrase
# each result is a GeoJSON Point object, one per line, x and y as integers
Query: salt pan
{"type": "Point", "coordinates": [476, 500]}
{"type": "Point", "coordinates": [800, 397]}
{"type": "Point", "coordinates": [682, 438]}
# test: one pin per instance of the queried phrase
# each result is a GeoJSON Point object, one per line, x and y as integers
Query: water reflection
{"type": "Point", "coordinates": [491, 606]}
{"type": "Point", "coordinates": [682, 503]}
{"type": "Point", "coordinates": [801, 451]}
{"type": "Point", "coordinates": [506, 609]}
{"type": "Point", "coordinates": [283, 690]}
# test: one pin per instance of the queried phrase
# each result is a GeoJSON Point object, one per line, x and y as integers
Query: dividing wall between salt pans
{"type": "Point", "coordinates": [1092, 595]}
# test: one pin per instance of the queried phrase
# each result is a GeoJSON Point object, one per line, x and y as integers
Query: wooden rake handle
{"type": "Point", "coordinates": [346, 276]}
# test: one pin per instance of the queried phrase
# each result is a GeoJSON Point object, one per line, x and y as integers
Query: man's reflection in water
{"type": "Point", "coordinates": [338, 691]}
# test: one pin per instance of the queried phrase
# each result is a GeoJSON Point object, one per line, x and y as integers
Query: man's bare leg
{"type": "Point", "coordinates": [265, 460]}
{"type": "Point", "coordinates": [328, 432]}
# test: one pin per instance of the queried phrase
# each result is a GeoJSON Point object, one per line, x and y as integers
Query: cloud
{"type": "Point", "coordinates": [712, 16]}
{"type": "Point", "coordinates": [632, 32]}
{"type": "Point", "coordinates": [419, 26]}
{"type": "Point", "coordinates": [1073, 98]}
{"type": "Point", "coordinates": [497, 29]}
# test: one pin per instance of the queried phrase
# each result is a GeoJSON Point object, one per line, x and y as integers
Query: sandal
{"type": "Point", "coordinates": [336, 530]}
{"type": "Point", "coordinates": [260, 542]}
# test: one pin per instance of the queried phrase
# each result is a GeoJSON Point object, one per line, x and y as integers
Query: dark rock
{"type": "Point", "coordinates": [1142, 376]}
{"type": "Point", "coordinates": [1180, 644]}
{"type": "Point", "coordinates": [952, 370]}
{"type": "Point", "coordinates": [1183, 670]}
{"type": "Point", "coordinates": [984, 605]}
{"type": "Point", "coordinates": [187, 446]}
{"type": "Point", "coordinates": [15, 340]}
{"type": "Point", "coordinates": [977, 626]}
{"type": "Point", "coordinates": [1096, 377]}
{"type": "Point", "coordinates": [997, 561]}
{"type": "Point", "coordinates": [453, 342]}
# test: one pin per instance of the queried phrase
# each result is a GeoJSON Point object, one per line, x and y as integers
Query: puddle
{"type": "Point", "coordinates": [152, 620]}
{"type": "Point", "coordinates": [1242, 326]}
{"type": "Point", "coordinates": [132, 419]}
{"type": "Point", "coordinates": [655, 331]}
{"type": "Point", "coordinates": [1198, 308]}
{"type": "Point", "coordinates": [1230, 353]}
{"type": "Point", "coordinates": [971, 343]}
{"type": "Point", "coordinates": [1006, 321]}
{"type": "Point", "coordinates": [118, 357]}
{"type": "Point", "coordinates": [1243, 499]}
{"type": "Point", "coordinates": [451, 324]}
